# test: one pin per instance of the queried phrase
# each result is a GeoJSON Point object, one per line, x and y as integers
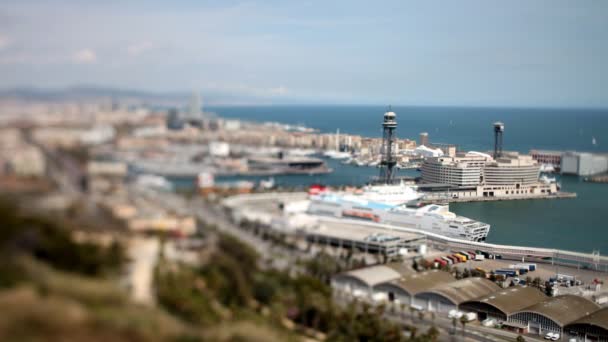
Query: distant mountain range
{"type": "Point", "coordinates": [99, 93]}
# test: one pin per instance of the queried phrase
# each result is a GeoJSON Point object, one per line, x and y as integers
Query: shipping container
{"type": "Point", "coordinates": [507, 272]}
{"type": "Point", "coordinates": [460, 257]}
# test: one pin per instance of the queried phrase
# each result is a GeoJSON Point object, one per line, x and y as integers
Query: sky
{"type": "Point", "coordinates": [479, 53]}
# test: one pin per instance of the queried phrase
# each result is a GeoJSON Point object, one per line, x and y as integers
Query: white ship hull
{"type": "Point", "coordinates": [431, 218]}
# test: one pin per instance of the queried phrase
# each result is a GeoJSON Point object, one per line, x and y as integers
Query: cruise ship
{"type": "Point", "coordinates": [434, 218]}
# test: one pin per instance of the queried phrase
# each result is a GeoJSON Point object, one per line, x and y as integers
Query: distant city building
{"type": "Point", "coordinates": [423, 139]}
{"type": "Point", "coordinates": [196, 106]}
{"type": "Point", "coordinates": [447, 149]}
{"type": "Point", "coordinates": [427, 152]}
{"type": "Point", "coordinates": [174, 122]}
{"type": "Point", "coordinates": [465, 169]}
{"type": "Point", "coordinates": [583, 163]}
{"type": "Point", "coordinates": [553, 158]}
{"type": "Point", "coordinates": [511, 169]}
{"type": "Point", "coordinates": [476, 174]}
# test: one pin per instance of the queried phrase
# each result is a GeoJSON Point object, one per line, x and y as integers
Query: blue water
{"type": "Point", "coordinates": [575, 224]}
{"type": "Point", "coordinates": [469, 128]}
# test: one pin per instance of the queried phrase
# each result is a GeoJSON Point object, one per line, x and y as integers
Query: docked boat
{"type": "Point", "coordinates": [414, 214]}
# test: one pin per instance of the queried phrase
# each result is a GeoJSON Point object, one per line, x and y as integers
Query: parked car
{"type": "Point", "coordinates": [488, 322]}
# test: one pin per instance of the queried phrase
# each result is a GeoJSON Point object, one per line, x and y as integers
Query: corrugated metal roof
{"type": "Point", "coordinates": [465, 289]}
{"type": "Point", "coordinates": [512, 299]}
{"type": "Point", "coordinates": [378, 274]}
{"type": "Point", "coordinates": [564, 309]}
{"type": "Point", "coordinates": [418, 282]}
{"type": "Point", "coordinates": [598, 318]}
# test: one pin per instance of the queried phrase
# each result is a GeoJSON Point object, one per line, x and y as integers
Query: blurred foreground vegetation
{"type": "Point", "coordinates": [54, 289]}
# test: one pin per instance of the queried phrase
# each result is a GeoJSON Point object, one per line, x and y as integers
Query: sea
{"type": "Point", "coordinates": [579, 224]}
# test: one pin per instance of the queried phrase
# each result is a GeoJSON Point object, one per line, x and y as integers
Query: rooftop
{"type": "Point", "coordinates": [377, 274]}
{"type": "Point", "coordinates": [512, 299]}
{"type": "Point", "coordinates": [563, 309]}
{"type": "Point", "coordinates": [464, 290]}
{"type": "Point", "coordinates": [357, 232]}
{"type": "Point", "coordinates": [598, 319]}
{"type": "Point", "coordinates": [418, 282]}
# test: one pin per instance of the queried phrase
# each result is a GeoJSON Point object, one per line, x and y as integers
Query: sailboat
{"type": "Point", "coordinates": [593, 141]}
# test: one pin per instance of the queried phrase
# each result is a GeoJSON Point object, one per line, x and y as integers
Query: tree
{"type": "Point", "coordinates": [520, 339]}
{"type": "Point", "coordinates": [457, 273]}
{"type": "Point", "coordinates": [463, 321]}
{"type": "Point", "coordinates": [432, 334]}
{"type": "Point", "coordinates": [402, 306]}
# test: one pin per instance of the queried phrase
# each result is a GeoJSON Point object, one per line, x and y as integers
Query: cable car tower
{"type": "Point", "coordinates": [388, 161]}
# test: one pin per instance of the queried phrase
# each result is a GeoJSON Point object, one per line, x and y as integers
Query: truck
{"type": "Point", "coordinates": [528, 267]}
{"type": "Point", "coordinates": [460, 257]}
{"type": "Point", "coordinates": [507, 272]}
{"type": "Point", "coordinates": [479, 257]}
{"type": "Point", "coordinates": [441, 262]}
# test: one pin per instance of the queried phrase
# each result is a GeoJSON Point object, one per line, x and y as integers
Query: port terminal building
{"type": "Point", "coordinates": [479, 175]}
{"type": "Point", "coordinates": [553, 314]}
{"type": "Point", "coordinates": [593, 327]}
{"type": "Point", "coordinates": [502, 304]}
{"type": "Point", "coordinates": [449, 296]}
{"type": "Point", "coordinates": [404, 289]}
{"type": "Point", "coordinates": [583, 163]}
{"type": "Point", "coordinates": [360, 283]}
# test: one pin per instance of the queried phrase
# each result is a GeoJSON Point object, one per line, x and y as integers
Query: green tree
{"type": "Point", "coordinates": [463, 321]}
{"type": "Point", "coordinates": [520, 339]}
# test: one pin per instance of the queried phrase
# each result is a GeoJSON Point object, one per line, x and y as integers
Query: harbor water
{"type": "Point", "coordinates": [578, 224]}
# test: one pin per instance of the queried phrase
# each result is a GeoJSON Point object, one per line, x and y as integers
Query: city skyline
{"type": "Point", "coordinates": [542, 54]}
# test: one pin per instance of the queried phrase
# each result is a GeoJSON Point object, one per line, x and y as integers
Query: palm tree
{"type": "Point", "coordinates": [463, 321]}
{"type": "Point", "coordinates": [402, 306]}
{"type": "Point", "coordinates": [454, 323]}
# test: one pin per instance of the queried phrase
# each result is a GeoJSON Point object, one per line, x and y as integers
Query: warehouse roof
{"type": "Point", "coordinates": [373, 275]}
{"type": "Point", "coordinates": [464, 290]}
{"type": "Point", "coordinates": [512, 299]}
{"type": "Point", "coordinates": [598, 319]}
{"type": "Point", "coordinates": [563, 309]}
{"type": "Point", "coordinates": [417, 282]}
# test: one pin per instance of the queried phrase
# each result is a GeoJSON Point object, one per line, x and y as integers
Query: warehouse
{"type": "Point", "coordinates": [360, 282]}
{"type": "Point", "coordinates": [552, 314]}
{"type": "Point", "coordinates": [446, 297]}
{"type": "Point", "coordinates": [501, 304]}
{"type": "Point", "coordinates": [401, 290]}
{"type": "Point", "coordinates": [593, 327]}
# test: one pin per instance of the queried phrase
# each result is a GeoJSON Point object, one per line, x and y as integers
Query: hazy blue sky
{"type": "Point", "coordinates": [514, 53]}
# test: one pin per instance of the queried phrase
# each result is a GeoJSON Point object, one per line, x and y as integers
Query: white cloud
{"type": "Point", "coordinates": [4, 41]}
{"type": "Point", "coordinates": [85, 56]}
{"type": "Point", "coordinates": [139, 48]}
